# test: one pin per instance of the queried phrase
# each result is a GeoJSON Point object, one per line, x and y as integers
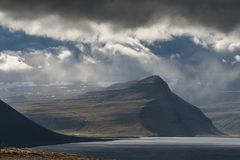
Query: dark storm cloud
{"type": "Point", "coordinates": [220, 14]}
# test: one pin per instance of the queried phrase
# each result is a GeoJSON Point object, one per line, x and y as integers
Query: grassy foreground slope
{"type": "Point", "coordinates": [30, 154]}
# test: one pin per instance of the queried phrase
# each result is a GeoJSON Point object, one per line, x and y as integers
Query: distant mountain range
{"type": "Point", "coordinates": [18, 131]}
{"type": "Point", "coordinates": [136, 108]}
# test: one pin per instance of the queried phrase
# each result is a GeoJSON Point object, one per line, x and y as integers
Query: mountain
{"type": "Point", "coordinates": [164, 113]}
{"type": "Point", "coordinates": [18, 131]}
{"type": "Point", "coordinates": [137, 108]}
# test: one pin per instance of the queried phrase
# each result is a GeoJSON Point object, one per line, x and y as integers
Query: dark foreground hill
{"type": "Point", "coordinates": [137, 108]}
{"type": "Point", "coordinates": [18, 131]}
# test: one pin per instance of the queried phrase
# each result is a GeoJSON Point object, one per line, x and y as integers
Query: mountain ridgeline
{"type": "Point", "coordinates": [150, 88]}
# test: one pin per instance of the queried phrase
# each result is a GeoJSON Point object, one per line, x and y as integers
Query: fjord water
{"type": "Point", "coordinates": [157, 148]}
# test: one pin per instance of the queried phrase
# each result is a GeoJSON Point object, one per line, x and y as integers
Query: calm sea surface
{"type": "Point", "coordinates": [157, 148]}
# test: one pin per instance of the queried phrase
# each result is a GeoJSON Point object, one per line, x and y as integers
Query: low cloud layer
{"type": "Point", "coordinates": [108, 63]}
{"type": "Point", "coordinates": [10, 62]}
{"type": "Point", "coordinates": [195, 79]}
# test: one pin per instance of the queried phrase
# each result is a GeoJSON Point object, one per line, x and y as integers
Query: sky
{"type": "Point", "coordinates": [193, 45]}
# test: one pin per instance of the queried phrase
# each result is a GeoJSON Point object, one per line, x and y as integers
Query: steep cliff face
{"type": "Point", "coordinates": [172, 116]}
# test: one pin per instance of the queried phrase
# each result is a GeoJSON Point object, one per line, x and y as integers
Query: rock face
{"type": "Point", "coordinates": [16, 130]}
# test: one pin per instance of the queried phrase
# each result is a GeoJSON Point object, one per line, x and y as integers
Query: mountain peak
{"type": "Point", "coordinates": [148, 88]}
{"type": "Point", "coordinates": [155, 83]}
{"type": "Point", "coordinates": [153, 79]}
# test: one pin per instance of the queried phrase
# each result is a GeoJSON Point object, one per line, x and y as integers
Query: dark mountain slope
{"type": "Point", "coordinates": [175, 117]}
{"type": "Point", "coordinates": [18, 131]}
